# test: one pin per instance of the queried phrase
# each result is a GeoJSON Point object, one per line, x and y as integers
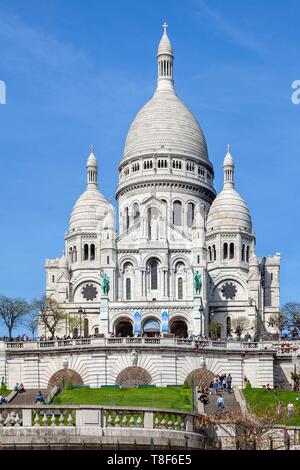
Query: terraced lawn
{"type": "Point", "coordinates": [158, 397]}
{"type": "Point", "coordinates": [262, 401]}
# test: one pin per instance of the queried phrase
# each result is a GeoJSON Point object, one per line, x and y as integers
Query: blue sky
{"type": "Point", "coordinates": [76, 74]}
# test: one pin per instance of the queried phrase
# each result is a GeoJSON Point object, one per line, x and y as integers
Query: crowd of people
{"type": "Point", "coordinates": [220, 383]}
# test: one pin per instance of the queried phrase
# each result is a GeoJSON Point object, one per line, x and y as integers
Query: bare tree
{"type": "Point", "coordinates": [291, 313]}
{"type": "Point", "coordinates": [31, 322]}
{"type": "Point", "coordinates": [240, 324]}
{"type": "Point", "coordinates": [278, 321]}
{"type": "Point", "coordinates": [49, 314]}
{"type": "Point", "coordinates": [12, 312]}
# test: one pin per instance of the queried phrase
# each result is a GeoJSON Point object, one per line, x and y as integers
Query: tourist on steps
{"type": "Point", "coordinates": [39, 397]}
{"type": "Point", "coordinates": [220, 404]}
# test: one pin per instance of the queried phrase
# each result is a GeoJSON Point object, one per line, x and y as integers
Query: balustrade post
{"type": "Point", "coordinates": [148, 419]}
{"type": "Point", "coordinates": [26, 417]}
{"type": "Point", "coordinates": [189, 423]}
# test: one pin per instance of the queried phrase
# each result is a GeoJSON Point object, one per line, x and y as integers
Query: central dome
{"type": "Point", "coordinates": [165, 123]}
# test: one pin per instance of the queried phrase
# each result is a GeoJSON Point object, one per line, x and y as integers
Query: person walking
{"type": "Point", "coordinates": [279, 408]}
{"type": "Point", "coordinates": [228, 383]}
{"type": "Point", "coordinates": [220, 404]}
{"type": "Point", "coordinates": [290, 409]}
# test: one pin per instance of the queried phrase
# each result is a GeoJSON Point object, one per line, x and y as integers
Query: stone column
{"type": "Point", "coordinates": [198, 315]}
{"type": "Point", "coordinates": [104, 315]}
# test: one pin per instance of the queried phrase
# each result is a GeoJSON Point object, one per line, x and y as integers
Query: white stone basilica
{"type": "Point", "coordinates": [171, 226]}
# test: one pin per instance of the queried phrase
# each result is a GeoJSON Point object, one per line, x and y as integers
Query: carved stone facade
{"type": "Point", "coordinates": [171, 224]}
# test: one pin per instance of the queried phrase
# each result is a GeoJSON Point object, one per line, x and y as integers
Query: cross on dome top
{"type": "Point", "coordinates": [165, 26]}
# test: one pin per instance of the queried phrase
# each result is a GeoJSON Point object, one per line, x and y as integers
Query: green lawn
{"type": "Point", "coordinates": [262, 401]}
{"type": "Point", "coordinates": [158, 397]}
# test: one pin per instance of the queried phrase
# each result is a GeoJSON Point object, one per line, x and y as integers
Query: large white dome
{"type": "Point", "coordinates": [165, 123]}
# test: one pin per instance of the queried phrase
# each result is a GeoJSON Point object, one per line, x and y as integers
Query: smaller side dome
{"type": "Point", "coordinates": [109, 222]}
{"type": "Point", "coordinates": [91, 207]}
{"type": "Point", "coordinates": [229, 210]}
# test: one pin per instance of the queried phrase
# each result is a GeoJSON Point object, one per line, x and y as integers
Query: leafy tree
{"type": "Point", "coordinates": [74, 322]}
{"type": "Point", "coordinates": [13, 312]}
{"type": "Point", "coordinates": [49, 314]}
{"type": "Point", "coordinates": [214, 329]}
{"type": "Point", "coordinates": [240, 324]}
{"type": "Point", "coordinates": [278, 321]}
{"type": "Point", "coordinates": [296, 379]}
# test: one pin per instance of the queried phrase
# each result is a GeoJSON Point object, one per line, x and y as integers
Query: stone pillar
{"type": "Point", "coordinates": [198, 315]}
{"type": "Point", "coordinates": [104, 315]}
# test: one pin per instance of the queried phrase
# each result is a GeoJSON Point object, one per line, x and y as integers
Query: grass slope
{"type": "Point", "coordinates": [159, 397]}
{"type": "Point", "coordinates": [262, 401]}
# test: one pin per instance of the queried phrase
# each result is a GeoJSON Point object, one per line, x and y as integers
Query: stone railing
{"type": "Point", "coordinates": [104, 417]}
{"type": "Point", "coordinates": [128, 231]}
{"type": "Point", "coordinates": [185, 235]}
{"type": "Point", "coordinates": [138, 342]}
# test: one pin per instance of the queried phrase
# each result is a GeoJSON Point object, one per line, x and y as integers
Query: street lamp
{"type": "Point", "coordinates": [81, 312]}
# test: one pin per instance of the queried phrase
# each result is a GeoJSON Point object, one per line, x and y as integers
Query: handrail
{"type": "Point", "coordinates": [128, 231]}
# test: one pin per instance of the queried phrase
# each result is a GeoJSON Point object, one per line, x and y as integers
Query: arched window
{"type": "Point", "coordinates": [154, 274]}
{"type": "Point", "coordinates": [128, 288]}
{"type": "Point", "coordinates": [228, 326]}
{"type": "Point", "coordinates": [93, 252]}
{"type": "Point", "coordinates": [96, 331]}
{"type": "Point", "coordinates": [71, 254]}
{"type": "Point", "coordinates": [177, 213]}
{"type": "Point", "coordinates": [248, 253]}
{"type": "Point", "coordinates": [225, 250]}
{"type": "Point", "coordinates": [74, 254]}
{"type": "Point", "coordinates": [126, 218]}
{"type": "Point", "coordinates": [53, 278]}
{"type": "Point", "coordinates": [180, 288]}
{"type": "Point", "coordinates": [85, 252]}
{"type": "Point", "coordinates": [190, 214]}
{"type": "Point", "coordinates": [209, 253]}
{"type": "Point", "coordinates": [136, 212]}
{"type": "Point", "coordinates": [214, 253]}
{"type": "Point", "coordinates": [231, 250]}
{"type": "Point", "coordinates": [243, 252]}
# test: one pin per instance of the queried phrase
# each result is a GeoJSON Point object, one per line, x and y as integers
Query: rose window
{"type": "Point", "coordinates": [229, 290]}
{"type": "Point", "coordinates": [89, 292]}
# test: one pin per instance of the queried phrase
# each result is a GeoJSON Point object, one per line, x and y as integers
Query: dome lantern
{"type": "Point", "coordinates": [228, 167]}
{"type": "Point", "coordinates": [92, 170]}
{"type": "Point", "coordinates": [165, 60]}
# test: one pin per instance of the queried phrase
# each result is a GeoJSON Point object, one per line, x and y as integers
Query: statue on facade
{"type": "Point", "coordinates": [104, 283]}
{"type": "Point", "coordinates": [197, 282]}
{"type": "Point", "coordinates": [154, 228]}
{"type": "Point", "coordinates": [134, 358]}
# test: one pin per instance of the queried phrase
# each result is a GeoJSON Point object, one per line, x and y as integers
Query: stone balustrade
{"type": "Point", "coordinates": [105, 417]}
{"type": "Point", "coordinates": [143, 342]}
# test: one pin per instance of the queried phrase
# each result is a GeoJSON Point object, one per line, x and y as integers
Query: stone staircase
{"type": "Point", "coordinates": [27, 397]}
{"type": "Point", "coordinates": [231, 404]}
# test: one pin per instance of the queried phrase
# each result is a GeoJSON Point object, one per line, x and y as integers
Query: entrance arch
{"type": "Point", "coordinates": [133, 376]}
{"type": "Point", "coordinates": [179, 328]}
{"type": "Point", "coordinates": [66, 375]}
{"type": "Point", "coordinates": [123, 328]}
{"type": "Point", "coordinates": [151, 327]}
{"type": "Point", "coordinates": [202, 377]}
